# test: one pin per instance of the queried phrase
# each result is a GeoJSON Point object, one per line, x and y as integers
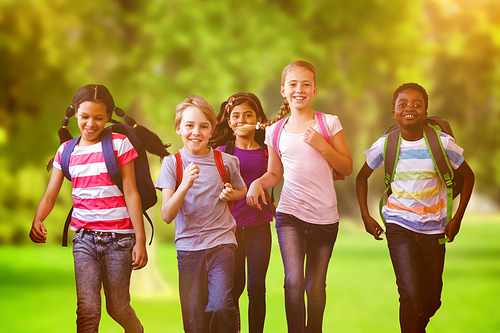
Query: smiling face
{"type": "Point", "coordinates": [410, 109]}
{"type": "Point", "coordinates": [240, 116]}
{"type": "Point", "coordinates": [92, 118]}
{"type": "Point", "coordinates": [299, 88]}
{"type": "Point", "coordinates": [195, 130]}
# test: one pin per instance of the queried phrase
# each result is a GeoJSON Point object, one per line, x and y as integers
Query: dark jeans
{"type": "Point", "coordinates": [205, 284]}
{"type": "Point", "coordinates": [103, 259]}
{"type": "Point", "coordinates": [418, 262]}
{"type": "Point", "coordinates": [297, 240]}
{"type": "Point", "coordinates": [254, 244]}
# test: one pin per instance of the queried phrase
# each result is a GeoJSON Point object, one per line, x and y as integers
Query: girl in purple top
{"type": "Point", "coordinates": [237, 133]}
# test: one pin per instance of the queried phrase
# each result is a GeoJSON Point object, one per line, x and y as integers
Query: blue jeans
{"type": "Point", "coordinates": [205, 284]}
{"type": "Point", "coordinates": [297, 240]}
{"type": "Point", "coordinates": [104, 259]}
{"type": "Point", "coordinates": [254, 243]}
{"type": "Point", "coordinates": [418, 262]}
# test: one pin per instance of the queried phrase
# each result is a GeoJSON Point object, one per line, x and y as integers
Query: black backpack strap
{"type": "Point", "coordinates": [152, 227]}
{"type": "Point", "coordinates": [66, 155]}
{"type": "Point", "coordinates": [66, 228]}
{"type": "Point", "coordinates": [229, 148]}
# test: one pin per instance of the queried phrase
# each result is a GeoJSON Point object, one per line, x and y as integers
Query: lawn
{"type": "Point", "coordinates": [37, 287]}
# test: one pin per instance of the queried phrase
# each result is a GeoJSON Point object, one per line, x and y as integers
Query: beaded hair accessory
{"type": "Point", "coordinates": [230, 103]}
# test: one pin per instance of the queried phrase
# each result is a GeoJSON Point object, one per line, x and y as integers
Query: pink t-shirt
{"type": "Point", "coordinates": [98, 204]}
{"type": "Point", "coordinates": [308, 192]}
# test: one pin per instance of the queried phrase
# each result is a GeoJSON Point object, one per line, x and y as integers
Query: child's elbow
{"type": "Point", "coordinates": [166, 216]}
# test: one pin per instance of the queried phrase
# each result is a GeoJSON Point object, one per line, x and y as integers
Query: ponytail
{"type": "Point", "coordinates": [282, 113]}
{"type": "Point", "coordinates": [99, 93]}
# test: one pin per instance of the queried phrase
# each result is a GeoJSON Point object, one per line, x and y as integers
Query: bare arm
{"type": "Point", "coordinates": [338, 155]}
{"type": "Point", "coordinates": [452, 228]}
{"type": "Point", "coordinates": [371, 225]}
{"type": "Point", "coordinates": [230, 194]}
{"type": "Point", "coordinates": [171, 200]}
{"type": "Point", "coordinates": [270, 179]}
{"type": "Point", "coordinates": [134, 208]}
{"type": "Point", "coordinates": [38, 233]}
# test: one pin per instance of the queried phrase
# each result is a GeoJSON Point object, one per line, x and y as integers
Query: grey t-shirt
{"type": "Point", "coordinates": [204, 221]}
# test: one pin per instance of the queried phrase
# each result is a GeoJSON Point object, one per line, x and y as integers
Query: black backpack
{"type": "Point", "coordinates": [453, 181]}
{"type": "Point", "coordinates": [145, 185]}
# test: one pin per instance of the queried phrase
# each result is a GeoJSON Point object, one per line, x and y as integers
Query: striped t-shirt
{"type": "Point", "coordinates": [98, 204]}
{"type": "Point", "coordinates": [418, 199]}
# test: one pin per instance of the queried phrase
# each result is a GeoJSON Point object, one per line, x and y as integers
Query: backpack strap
{"type": "Point", "coordinates": [66, 155]}
{"type": "Point", "coordinates": [442, 165]}
{"type": "Point", "coordinates": [179, 169]}
{"type": "Point", "coordinates": [321, 122]}
{"type": "Point", "coordinates": [220, 165]}
{"type": "Point", "coordinates": [277, 134]}
{"type": "Point", "coordinates": [229, 148]}
{"type": "Point", "coordinates": [110, 159]}
{"type": "Point", "coordinates": [219, 162]}
{"type": "Point", "coordinates": [391, 155]}
{"type": "Point", "coordinates": [66, 228]}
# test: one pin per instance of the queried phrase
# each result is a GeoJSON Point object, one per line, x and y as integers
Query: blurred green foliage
{"type": "Point", "coordinates": [152, 54]}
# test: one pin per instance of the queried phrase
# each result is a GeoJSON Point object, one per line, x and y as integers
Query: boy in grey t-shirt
{"type": "Point", "coordinates": [204, 225]}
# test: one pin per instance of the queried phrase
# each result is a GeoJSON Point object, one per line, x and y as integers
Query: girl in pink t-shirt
{"type": "Point", "coordinates": [306, 217]}
{"type": "Point", "coordinates": [109, 232]}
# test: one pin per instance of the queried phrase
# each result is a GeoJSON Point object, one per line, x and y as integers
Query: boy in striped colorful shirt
{"type": "Point", "coordinates": [416, 210]}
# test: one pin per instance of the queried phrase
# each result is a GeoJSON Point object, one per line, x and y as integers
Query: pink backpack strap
{"type": "Point", "coordinates": [321, 122]}
{"type": "Point", "coordinates": [277, 134]}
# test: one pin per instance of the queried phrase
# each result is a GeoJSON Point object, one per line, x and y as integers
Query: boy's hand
{"type": "Point", "coordinates": [254, 193]}
{"type": "Point", "coordinates": [38, 233]}
{"type": "Point", "coordinates": [373, 228]}
{"type": "Point", "coordinates": [139, 256]}
{"type": "Point", "coordinates": [227, 192]}
{"type": "Point", "coordinates": [452, 228]}
{"type": "Point", "coordinates": [191, 172]}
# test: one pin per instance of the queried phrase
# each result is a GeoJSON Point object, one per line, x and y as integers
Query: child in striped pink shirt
{"type": "Point", "coordinates": [109, 236]}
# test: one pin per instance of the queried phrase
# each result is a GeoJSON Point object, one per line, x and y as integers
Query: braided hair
{"type": "Point", "coordinates": [99, 93]}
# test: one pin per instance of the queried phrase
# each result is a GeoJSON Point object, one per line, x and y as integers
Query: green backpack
{"type": "Point", "coordinates": [432, 125]}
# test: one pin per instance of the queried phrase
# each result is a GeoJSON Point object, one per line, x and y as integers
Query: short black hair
{"type": "Point", "coordinates": [413, 86]}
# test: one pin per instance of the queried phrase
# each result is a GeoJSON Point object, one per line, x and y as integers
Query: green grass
{"type": "Point", "coordinates": [37, 292]}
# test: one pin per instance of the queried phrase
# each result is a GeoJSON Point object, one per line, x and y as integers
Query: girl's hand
{"type": "Point", "coordinates": [227, 192]}
{"type": "Point", "coordinates": [314, 139]}
{"type": "Point", "coordinates": [139, 256]}
{"type": "Point", "coordinates": [191, 172]}
{"type": "Point", "coordinates": [254, 193]}
{"type": "Point", "coordinates": [38, 233]}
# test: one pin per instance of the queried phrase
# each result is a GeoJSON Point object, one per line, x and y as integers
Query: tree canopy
{"type": "Point", "coordinates": [152, 54]}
